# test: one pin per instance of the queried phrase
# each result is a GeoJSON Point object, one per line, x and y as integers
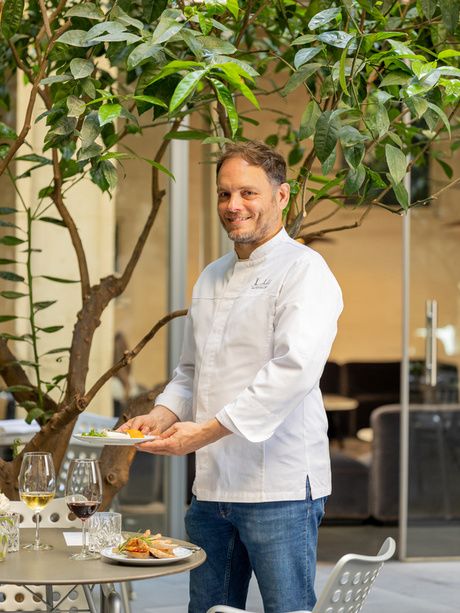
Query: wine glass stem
{"type": "Point", "coordinates": [37, 530]}
{"type": "Point", "coordinates": [83, 536]}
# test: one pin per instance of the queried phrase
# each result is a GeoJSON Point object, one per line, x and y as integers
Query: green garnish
{"type": "Point", "coordinates": [94, 432]}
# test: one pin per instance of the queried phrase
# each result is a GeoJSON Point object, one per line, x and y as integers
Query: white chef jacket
{"type": "Point", "coordinates": [257, 336]}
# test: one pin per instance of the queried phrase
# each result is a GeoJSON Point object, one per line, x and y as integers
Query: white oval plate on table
{"type": "Point", "coordinates": [98, 441]}
{"type": "Point", "coordinates": [180, 553]}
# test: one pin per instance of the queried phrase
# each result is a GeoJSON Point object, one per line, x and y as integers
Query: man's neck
{"type": "Point", "coordinates": [244, 250]}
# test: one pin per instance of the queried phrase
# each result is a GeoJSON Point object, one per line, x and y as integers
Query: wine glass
{"type": "Point", "coordinates": [37, 486]}
{"type": "Point", "coordinates": [83, 493]}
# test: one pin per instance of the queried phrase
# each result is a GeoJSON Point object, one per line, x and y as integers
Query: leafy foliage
{"type": "Point", "coordinates": [378, 82]}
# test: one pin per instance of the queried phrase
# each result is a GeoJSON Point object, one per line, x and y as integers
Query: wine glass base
{"type": "Point", "coordinates": [39, 547]}
{"type": "Point", "coordinates": [87, 555]}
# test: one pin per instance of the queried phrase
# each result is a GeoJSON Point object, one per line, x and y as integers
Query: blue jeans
{"type": "Point", "coordinates": [276, 540]}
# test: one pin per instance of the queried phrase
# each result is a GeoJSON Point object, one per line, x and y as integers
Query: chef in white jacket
{"type": "Point", "coordinates": [245, 396]}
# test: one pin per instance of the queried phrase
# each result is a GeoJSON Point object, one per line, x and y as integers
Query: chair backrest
{"type": "Point", "coordinates": [56, 514]}
{"type": "Point", "coordinates": [351, 580]}
{"type": "Point", "coordinates": [16, 597]}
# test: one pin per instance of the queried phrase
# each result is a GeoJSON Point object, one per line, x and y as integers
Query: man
{"type": "Point", "coordinates": [258, 333]}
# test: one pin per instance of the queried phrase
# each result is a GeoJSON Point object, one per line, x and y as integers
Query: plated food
{"type": "Point", "coordinates": [147, 545]}
{"type": "Point", "coordinates": [111, 437]}
{"type": "Point", "coordinates": [148, 549]}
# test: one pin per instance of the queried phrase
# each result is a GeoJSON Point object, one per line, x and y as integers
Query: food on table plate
{"type": "Point", "coordinates": [147, 546]}
{"type": "Point", "coordinates": [112, 434]}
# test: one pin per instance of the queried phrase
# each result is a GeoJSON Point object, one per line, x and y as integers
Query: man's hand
{"type": "Point", "coordinates": [157, 421]}
{"type": "Point", "coordinates": [185, 437]}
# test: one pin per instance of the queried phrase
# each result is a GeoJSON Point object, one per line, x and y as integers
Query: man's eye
{"type": "Point", "coordinates": [247, 193]}
{"type": "Point", "coordinates": [222, 195]}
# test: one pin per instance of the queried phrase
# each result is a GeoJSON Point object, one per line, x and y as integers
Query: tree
{"type": "Point", "coordinates": [378, 81]}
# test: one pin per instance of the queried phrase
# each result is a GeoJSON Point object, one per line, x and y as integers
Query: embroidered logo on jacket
{"type": "Point", "coordinates": [261, 284]}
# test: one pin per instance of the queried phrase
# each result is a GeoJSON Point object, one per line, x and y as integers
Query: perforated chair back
{"type": "Point", "coordinates": [56, 514]}
{"type": "Point", "coordinates": [348, 585]}
{"type": "Point", "coordinates": [351, 580]}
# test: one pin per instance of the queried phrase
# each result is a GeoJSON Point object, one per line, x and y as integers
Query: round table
{"type": "Point", "coordinates": [54, 567]}
{"type": "Point", "coordinates": [339, 407]}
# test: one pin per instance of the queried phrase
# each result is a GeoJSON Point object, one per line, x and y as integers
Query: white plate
{"type": "Point", "coordinates": [99, 441]}
{"type": "Point", "coordinates": [181, 553]}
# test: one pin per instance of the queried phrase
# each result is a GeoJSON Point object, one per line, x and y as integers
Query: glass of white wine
{"type": "Point", "coordinates": [83, 494]}
{"type": "Point", "coordinates": [37, 486]}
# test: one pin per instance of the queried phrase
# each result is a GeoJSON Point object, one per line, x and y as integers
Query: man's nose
{"type": "Point", "coordinates": [234, 202]}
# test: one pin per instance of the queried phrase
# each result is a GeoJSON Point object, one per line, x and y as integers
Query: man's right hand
{"type": "Point", "coordinates": [157, 421]}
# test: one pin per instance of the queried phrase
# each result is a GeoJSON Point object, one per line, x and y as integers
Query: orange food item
{"type": "Point", "coordinates": [135, 433]}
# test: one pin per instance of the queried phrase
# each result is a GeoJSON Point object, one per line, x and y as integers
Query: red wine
{"type": "Point", "coordinates": [84, 509]}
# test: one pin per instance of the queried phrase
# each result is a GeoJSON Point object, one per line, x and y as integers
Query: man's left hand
{"type": "Point", "coordinates": [185, 437]}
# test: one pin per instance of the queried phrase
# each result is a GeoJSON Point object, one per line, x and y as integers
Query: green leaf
{"type": "Point", "coordinates": [446, 168]}
{"type": "Point", "coordinates": [328, 164]}
{"type": "Point", "coordinates": [81, 69]}
{"type": "Point", "coordinates": [74, 38]}
{"type": "Point", "coordinates": [76, 106]}
{"type": "Point", "coordinates": [11, 17]}
{"type": "Point", "coordinates": [448, 53]}
{"type": "Point", "coordinates": [401, 195]}
{"type": "Point", "coordinates": [323, 17]}
{"type": "Point", "coordinates": [397, 163]}
{"type": "Point", "coordinates": [44, 304]}
{"type": "Point", "coordinates": [119, 15]}
{"type": "Point", "coordinates": [7, 132]}
{"type": "Point", "coordinates": [450, 10]}
{"type": "Point", "coordinates": [87, 10]}
{"type": "Point", "coordinates": [60, 280]}
{"type": "Point", "coordinates": [4, 210]}
{"type": "Point", "coordinates": [160, 167]}
{"type": "Point", "coordinates": [91, 151]}
{"type": "Point", "coordinates": [34, 413]}
{"type": "Point", "coordinates": [355, 179]}
{"type": "Point", "coordinates": [299, 77]}
{"type": "Point", "coordinates": [19, 388]}
{"type": "Point", "coordinates": [184, 88]}
{"type": "Point", "coordinates": [58, 350]}
{"type": "Point", "coordinates": [110, 173]}
{"type": "Point", "coordinates": [10, 276]}
{"type": "Point", "coordinates": [232, 6]}
{"type": "Point", "coordinates": [90, 129]}
{"type": "Point", "coordinates": [326, 135]}
{"type": "Point", "coordinates": [109, 112]}
{"type": "Point", "coordinates": [151, 99]}
{"type": "Point", "coordinates": [428, 7]}
{"type": "Point", "coordinates": [308, 120]}
{"type": "Point", "coordinates": [166, 29]}
{"type": "Point", "coordinates": [440, 113]}
{"type": "Point", "coordinates": [376, 178]}
{"type": "Point", "coordinates": [342, 72]}
{"type": "Point", "coordinates": [65, 126]}
{"type": "Point", "coordinates": [57, 78]}
{"type": "Point", "coordinates": [213, 45]}
{"type": "Point", "coordinates": [143, 52]}
{"type": "Point", "coordinates": [51, 329]}
{"type": "Point", "coordinates": [186, 135]}
{"type": "Point", "coordinates": [10, 295]}
{"type": "Point", "coordinates": [151, 10]}
{"type": "Point", "coordinates": [336, 38]}
{"type": "Point", "coordinates": [395, 78]}
{"type": "Point", "coordinates": [350, 136]}
{"type": "Point", "coordinates": [304, 55]}
{"type": "Point", "coordinates": [376, 119]}
{"type": "Point", "coordinates": [4, 318]}
{"type": "Point", "coordinates": [225, 98]}
{"type": "Point", "coordinates": [11, 240]}
{"type": "Point", "coordinates": [7, 261]}
{"type": "Point", "coordinates": [354, 155]}
{"type": "Point", "coordinates": [304, 39]}
{"type": "Point", "coordinates": [54, 220]}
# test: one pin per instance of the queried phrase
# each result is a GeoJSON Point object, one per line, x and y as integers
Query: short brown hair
{"type": "Point", "coordinates": [256, 153]}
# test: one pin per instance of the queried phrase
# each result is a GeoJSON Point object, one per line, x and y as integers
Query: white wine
{"type": "Point", "coordinates": [37, 500]}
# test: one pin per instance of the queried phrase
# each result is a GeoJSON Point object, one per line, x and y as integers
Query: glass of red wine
{"type": "Point", "coordinates": [83, 493]}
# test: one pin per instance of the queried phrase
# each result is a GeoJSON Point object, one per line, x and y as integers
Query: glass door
{"type": "Point", "coordinates": [430, 419]}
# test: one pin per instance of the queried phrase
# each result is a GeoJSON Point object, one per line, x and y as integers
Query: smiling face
{"type": "Point", "coordinates": [250, 206]}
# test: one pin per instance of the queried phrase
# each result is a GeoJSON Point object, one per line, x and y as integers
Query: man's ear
{"type": "Point", "coordinates": [284, 191]}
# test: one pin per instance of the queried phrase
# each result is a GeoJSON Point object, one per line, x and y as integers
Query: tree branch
{"type": "Point", "coordinates": [46, 22]}
{"type": "Point", "coordinates": [128, 356]}
{"type": "Point", "coordinates": [13, 374]}
{"type": "Point", "coordinates": [309, 237]}
{"type": "Point", "coordinates": [71, 227]}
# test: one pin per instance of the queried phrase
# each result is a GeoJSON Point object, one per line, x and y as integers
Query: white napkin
{"type": "Point", "coordinates": [73, 539]}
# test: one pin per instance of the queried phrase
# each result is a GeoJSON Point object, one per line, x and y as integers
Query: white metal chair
{"type": "Point", "coordinates": [22, 598]}
{"type": "Point", "coordinates": [347, 586]}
